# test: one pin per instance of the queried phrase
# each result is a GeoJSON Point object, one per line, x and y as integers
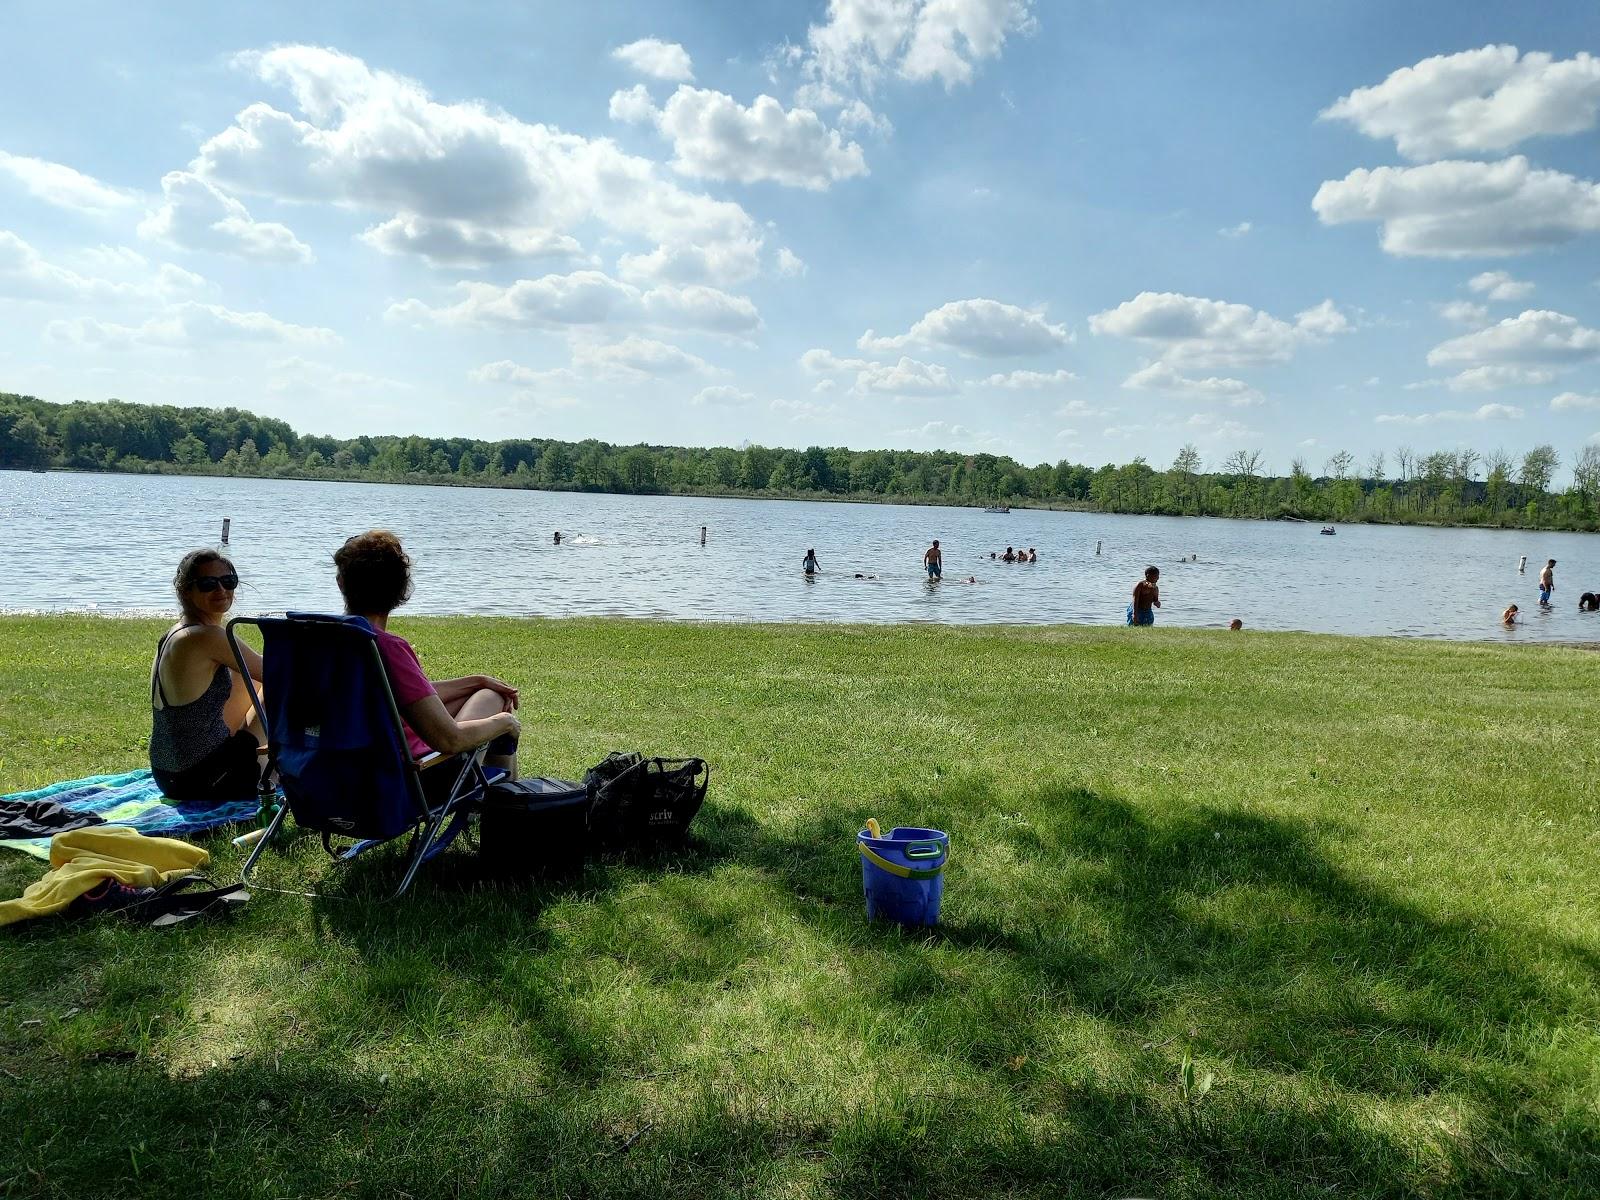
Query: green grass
{"type": "Point", "coordinates": [1354, 879]}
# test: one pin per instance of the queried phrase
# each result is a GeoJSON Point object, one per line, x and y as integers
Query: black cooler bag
{"type": "Point", "coordinates": [534, 825]}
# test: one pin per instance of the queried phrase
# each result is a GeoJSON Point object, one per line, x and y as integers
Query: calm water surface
{"type": "Point", "coordinates": [108, 543]}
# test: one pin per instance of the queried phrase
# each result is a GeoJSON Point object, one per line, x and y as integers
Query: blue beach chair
{"type": "Point", "coordinates": [335, 738]}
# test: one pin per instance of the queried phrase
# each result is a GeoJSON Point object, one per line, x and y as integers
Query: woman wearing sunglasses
{"type": "Point", "coordinates": [204, 731]}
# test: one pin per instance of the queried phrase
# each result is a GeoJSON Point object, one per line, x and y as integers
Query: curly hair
{"type": "Point", "coordinates": [189, 570]}
{"type": "Point", "coordinates": [374, 572]}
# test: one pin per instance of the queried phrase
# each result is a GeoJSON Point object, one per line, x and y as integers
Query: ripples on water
{"type": "Point", "coordinates": [109, 543]}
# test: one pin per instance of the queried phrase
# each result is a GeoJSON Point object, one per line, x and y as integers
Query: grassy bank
{"type": "Point", "coordinates": [1356, 880]}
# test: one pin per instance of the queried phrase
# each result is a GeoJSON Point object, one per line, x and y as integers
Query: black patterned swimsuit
{"type": "Point", "coordinates": [183, 735]}
{"type": "Point", "coordinates": [193, 754]}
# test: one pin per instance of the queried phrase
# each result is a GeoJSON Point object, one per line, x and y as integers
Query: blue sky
{"type": "Point", "coordinates": [1086, 231]}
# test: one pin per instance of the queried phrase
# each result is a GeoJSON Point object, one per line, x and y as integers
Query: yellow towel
{"type": "Point", "coordinates": [81, 858]}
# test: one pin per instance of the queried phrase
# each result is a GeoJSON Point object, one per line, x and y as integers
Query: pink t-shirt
{"type": "Point", "coordinates": [406, 680]}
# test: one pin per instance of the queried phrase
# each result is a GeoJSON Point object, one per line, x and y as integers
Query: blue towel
{"type": "Point", "coordinates": [131, 798]}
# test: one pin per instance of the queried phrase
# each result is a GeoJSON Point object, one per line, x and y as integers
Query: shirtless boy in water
{"type": "Point", "coordinates": [1146, 599]}
{"type": "Point", "coordinates": [1547, 583]}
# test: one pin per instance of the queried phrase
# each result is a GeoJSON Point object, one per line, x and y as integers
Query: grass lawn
{"type": "Point", "coordinates": [1357, 880]}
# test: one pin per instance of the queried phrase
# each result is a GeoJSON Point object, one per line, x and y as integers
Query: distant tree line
{"type": "Point", "coordinates": [1448, 487]}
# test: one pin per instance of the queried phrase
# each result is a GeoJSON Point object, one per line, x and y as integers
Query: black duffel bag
{"type": "Point", "coordinates": [533, 825]}
{"type": "Point", "coordinates": [633, 799]}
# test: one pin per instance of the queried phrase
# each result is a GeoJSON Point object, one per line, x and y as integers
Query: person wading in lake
{"type": "Point", "coordinates": [934, 560]}
{"type": "Point", "coordinates": [1146, 599]}
{"type": "Point", "coordinates": [1547, 583]}
{"type": "Point", "coordinates": [811, 566]}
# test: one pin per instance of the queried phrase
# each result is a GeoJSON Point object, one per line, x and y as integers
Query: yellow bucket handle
{"type": "Point", "coordinates": [894, 868]}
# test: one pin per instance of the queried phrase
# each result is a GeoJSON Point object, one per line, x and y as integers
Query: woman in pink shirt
{"type": "Point", "coordinates": [448, 715]}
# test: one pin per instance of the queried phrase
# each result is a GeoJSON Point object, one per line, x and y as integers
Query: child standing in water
{"type": "Point", "coordinates": [811, 566]}
{"type": "Point", "coordinates": [1547, 583]}
{"type": "Point", "coordinates": [1146, 599]}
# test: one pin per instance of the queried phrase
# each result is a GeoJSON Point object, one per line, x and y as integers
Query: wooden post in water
{"type": "Point", "coordinates": [226, 521]}
{"type": "Point", "coordinates": [702, 535]}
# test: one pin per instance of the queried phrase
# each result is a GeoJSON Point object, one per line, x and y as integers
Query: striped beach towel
{"type": "Point", "coordinates": [132, 799]}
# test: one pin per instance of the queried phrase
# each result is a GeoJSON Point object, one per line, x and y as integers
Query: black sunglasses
{"type": "Point", "coordinates": [210, 583]}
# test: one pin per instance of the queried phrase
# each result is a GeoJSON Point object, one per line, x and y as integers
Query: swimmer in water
{"type": "Point", "coordinates": [1589, 602]}
{"type": "Point", "coordinates": [933, 559]}
{"type": "Point", "coordinates": [1009, 556]}
{"type": "Point", "coordinates": [558, 537]}
{"type": "Point", "coordinates": [811, 566]}
{"type": "Point", "coordinates": [1509, 617]}
{"type": "Point", "coordinates": [1033, 555]}
{"type": "Point", "coordinates": [1236, 624]}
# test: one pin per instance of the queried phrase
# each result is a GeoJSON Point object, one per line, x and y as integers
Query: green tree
{"type": "Point", "coordinates": [26, 443]}
{"type": "Point", "coordinates": [637, 470]}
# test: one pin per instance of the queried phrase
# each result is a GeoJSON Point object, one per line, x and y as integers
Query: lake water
{"type": "Point", "coordinates": [109, 543]}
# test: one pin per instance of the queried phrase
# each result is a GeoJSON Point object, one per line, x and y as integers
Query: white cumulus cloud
{"type": "Point", "coordinates": [715, 137]}
{"type": "Point", "coordinates": [1475, 102]}
{"type": "Point", "coordinates": [1464, 312]}
{"type": "Point", "coordinates": [25, 274]}
{"type": "Point", "coordinates": [1030, 380]}
{"type": "Point", "coordinates": [1533, 338]}
{"type": "Point", "coordinates": [721, 395]}
{"type": "Point", "coordinates": [862, 40]}
{"type": "Point", "coordinates": [444, 243]}
{"type": "Point", "coordinates": [1193, 332]}
{"type": "Point", "coordinates": [1485, 412]}
{"type": "Point", "coordinates": [585, 298]}
{"type": "Point", "coordinates": [197, 215]}
{"type": "Point", "coordinates": [1492, 377]}
{"type": "Point", "coordinates": [1458, 209]}
{"type": "Point", "coordinates": [789, 263]}
{"type": "Point", "coordinates": [1162, 377]}
{"type": "Point", "coordinates": [373, 141]}
{"type": "Point", "coordinates": [64, 187]}
{"type": "Point", "coordinates": [636, 357]}
{"type": "Point", "coordinates": [980, 328]}
{"type": "Point", "coordinates": [657, 59]}
{"type": "Point", "coordinates": [905, 377]}
{"type": "Point", "coordinates": [1567, 401]}
{"type": "Point", "coordinates": [1498, 285]}
{"type": "Point", "coordinates": [188, 325]}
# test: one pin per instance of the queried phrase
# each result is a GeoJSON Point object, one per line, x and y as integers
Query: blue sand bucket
{"type": "Point", "coordinates": [903, 873]}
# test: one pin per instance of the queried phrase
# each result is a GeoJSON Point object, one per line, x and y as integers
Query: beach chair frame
{"type": "Point", "coordinates": [433, 826]}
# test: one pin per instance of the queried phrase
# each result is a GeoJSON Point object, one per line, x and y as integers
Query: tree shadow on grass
{"type": "Point", "coordinates": [288, 1126]}
{"type": "Point", "coordinates": [1232, 935]}
{"type": "Point", "coordinates": [481, 1038]}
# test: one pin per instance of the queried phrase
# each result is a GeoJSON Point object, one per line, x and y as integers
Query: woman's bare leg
{"type": "Point", "coordinates": [239, 713]}
{"type": "Point", "coordinates": [487, 703]}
